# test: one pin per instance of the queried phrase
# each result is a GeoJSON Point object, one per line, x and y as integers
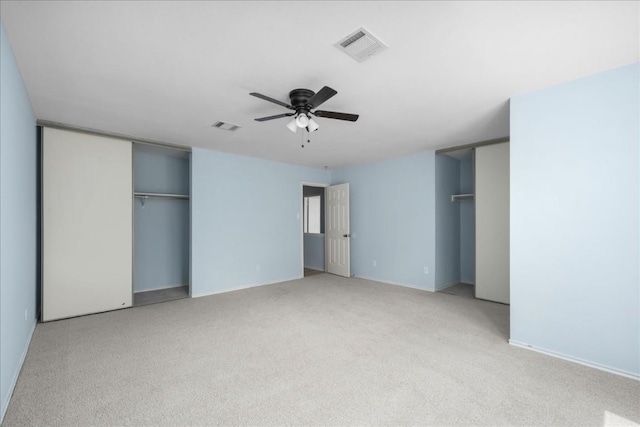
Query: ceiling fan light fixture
{"type": "Point", "coordinates": [302, 121]}
{"type": "Point", "coordinates": [312, 126]}
{"type": "Point", "coordinates": [292, 126]}
{"type": "Point", "coordinates": [303, 101]}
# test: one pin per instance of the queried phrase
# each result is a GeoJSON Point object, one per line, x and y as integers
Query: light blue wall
{"type": "Point", "coordinates": [17, 221]}
{"type": "Point", "coordinates": [314, 251]}
{"type": "Point", "coordinates": [161, 227]}
{"type": "Point", "coordinates": [467, 223]}
{"type": "Point", "coordinates": [159, 170]}
{"type": "Point", "coordinates": [161, 244]}
{"type": "Point", "coordinates": [575, 190]}
{"type": "Point", "coordinates": [246, 220]}
{"type": "Point", "coordinates": [393, 219]}
{"type": "Point", "coordinates": [447, 268]}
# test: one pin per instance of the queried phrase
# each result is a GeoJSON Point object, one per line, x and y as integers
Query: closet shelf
{"type": "Point", "coordinates": [144, 196]}
{"type": "Point", "coordinates": [458, 197]}
{"type": "Point", "coordinates": [167, 195]}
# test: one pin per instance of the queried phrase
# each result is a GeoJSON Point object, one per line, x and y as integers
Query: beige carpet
{"type": "Point", "coordinates": [160, 295]}
{"type": "Point", "coordinates": [311, 272]}
{"type": "Point", "coordinates": [461, 289]}
{"type": "Point", "coordinates": [317, 351]}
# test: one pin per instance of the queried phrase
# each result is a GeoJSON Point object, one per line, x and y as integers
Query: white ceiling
{"type": "Point", "coordinates": [167, 71]}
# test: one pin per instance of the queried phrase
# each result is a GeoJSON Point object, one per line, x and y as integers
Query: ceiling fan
{"type": "Point", "coordinates": [302, 102]}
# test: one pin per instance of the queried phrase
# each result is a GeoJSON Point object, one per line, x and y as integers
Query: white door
{"type": "Point", "coordinates": [86, 224]}
{"type": "Point", "coordinates": [492, 222]}
{"type": "Point", "coordinates": [337, 247]}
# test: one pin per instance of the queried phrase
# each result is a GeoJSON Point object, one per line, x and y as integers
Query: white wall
{"type": "Point", "coordinates": [575, 191]}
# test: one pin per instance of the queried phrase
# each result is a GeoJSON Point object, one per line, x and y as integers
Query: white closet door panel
{"type": "Point", "coordinates": [492, 222]}
{"type": "Point", "coordinates": [86, 224]}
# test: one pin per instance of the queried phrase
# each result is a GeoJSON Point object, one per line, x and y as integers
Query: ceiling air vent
{"type": "Point", "coordinates": [361, 45]}
{"type": "Point", "coordinates": [225, 126]}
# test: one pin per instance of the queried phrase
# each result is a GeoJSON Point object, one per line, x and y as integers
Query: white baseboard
{"type": "Point", "coordinates": [239, 288]}
{"type": "Point", "coordinates": [394, 283]}
{"type": "Point", "coordinates": [313, 268]}
{"type": "Point", "coordinates": [577, 360]}
{"type": "Point", "coordinates": [14, 381]}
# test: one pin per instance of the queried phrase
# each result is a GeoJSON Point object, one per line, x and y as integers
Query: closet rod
{"type": "Point", "coordinates": [161, 195]}
{"type": "Point", "coordinates": [145, 196]}
{"type": "Point", "coordinates": [458, 197]}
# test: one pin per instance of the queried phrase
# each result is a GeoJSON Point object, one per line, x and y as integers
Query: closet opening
{"type": "Point", "coordinates": [161, 237]}
{"type": "Point", "coordinates": [313, 244]}
{"type": "Point", "coordinates": [455, 219]}
{"type": "Point", "coordinates": [472, 221]}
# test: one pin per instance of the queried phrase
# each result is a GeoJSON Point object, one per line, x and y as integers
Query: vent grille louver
{"type": "Point", "coordinates": [225, 126]}
{"type": "Point", "coordinates": [361, 45]}
{"type": "Point", "coordinates": [352, 39]}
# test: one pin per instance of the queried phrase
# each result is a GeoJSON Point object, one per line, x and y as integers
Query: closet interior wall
{"type": "Point", "coordinates": [467, 221]}
{"type": "Point", "coordinates": [161, 224]}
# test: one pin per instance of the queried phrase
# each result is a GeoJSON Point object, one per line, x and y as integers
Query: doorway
{"type": "Point", "coordinates": [161, 224]}
{"type": "Point", "coordinates": [313, 239]}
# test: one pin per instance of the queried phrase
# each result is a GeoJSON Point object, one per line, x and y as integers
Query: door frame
{"type": "Point", "coordinates": [301, 219]}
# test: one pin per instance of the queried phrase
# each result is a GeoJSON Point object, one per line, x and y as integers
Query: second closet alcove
{"type": "Point", "coordinates": [455, 219]}
{"type": "Point", "coordinates": [161, 224]}
{"type": "Point", "coordinates": [472, 221]}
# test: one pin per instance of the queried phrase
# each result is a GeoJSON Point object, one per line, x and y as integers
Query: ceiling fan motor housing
{"type": "Point", "coordinates": [301, 103]}
{"type": "Point", "coordinates": [300, 98]}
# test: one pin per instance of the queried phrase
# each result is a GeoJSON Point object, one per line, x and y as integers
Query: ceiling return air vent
{"type": "Point", "coordinates": [361, 45]}
{"type": "Point", "coordinates": [225, 126]}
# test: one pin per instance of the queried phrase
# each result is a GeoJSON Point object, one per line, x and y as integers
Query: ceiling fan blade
{"type": "Point", "coordinates": [320, 97]}
{"type": "Point", "coordinates": [275, 101]}
{"type": "Point", "coordinates": [335, 115]}
{"type": "Point", "coordinates": [277, 116]}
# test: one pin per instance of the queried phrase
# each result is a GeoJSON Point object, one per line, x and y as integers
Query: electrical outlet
{"type": "Point", "coordinates": [375, 263]}
{"type": "Point", "coordinates": [426, 270]}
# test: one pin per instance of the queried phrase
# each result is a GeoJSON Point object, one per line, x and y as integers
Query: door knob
{"type": "Point", "coordinates": [346, 235]}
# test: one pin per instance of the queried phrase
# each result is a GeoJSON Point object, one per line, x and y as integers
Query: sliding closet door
{"type": "Point", "coordinates": [492, 222]}
{"type": "Point", "coordinates": [86, 224]}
